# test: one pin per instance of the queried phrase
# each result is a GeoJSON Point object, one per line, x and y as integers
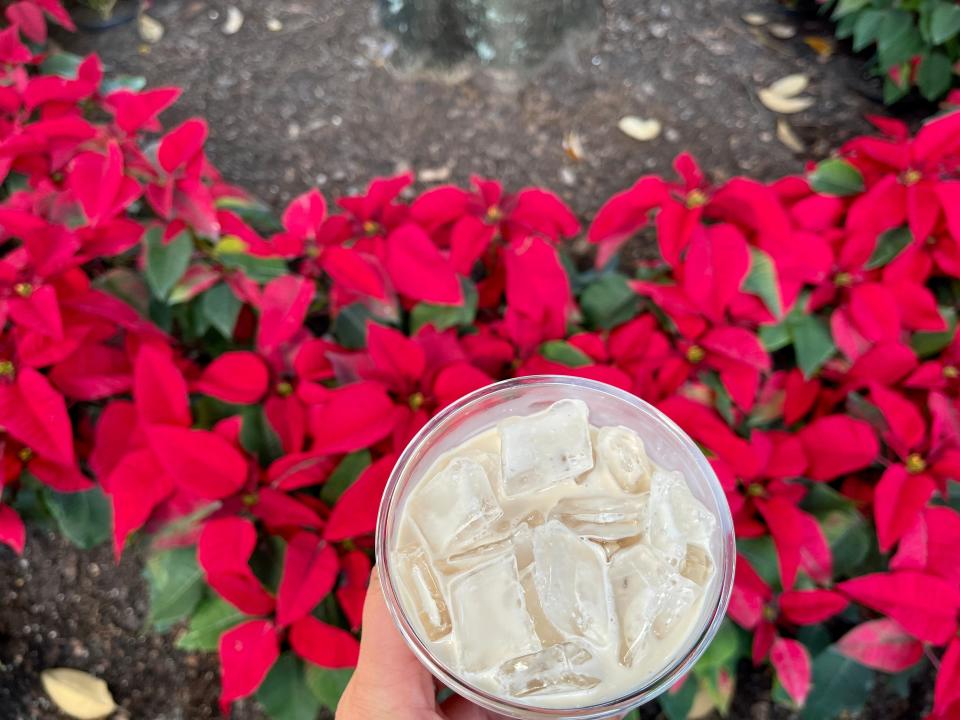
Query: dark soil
{"type": "Point", "coordinates": [65, 608]}
{"type": "Point", "coordinates": [319, 100]}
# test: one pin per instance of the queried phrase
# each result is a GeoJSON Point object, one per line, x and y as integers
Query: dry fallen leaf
{"type": "Point", "coordinates": [436, 174]}
{"type": "Point", "coordinates": [784, 105]}
{"type": "Point", "coordinates": [640, 128]}
{"type": "Point", "coordinates": [702, 705]}
{"type": "Point", "coordinates": [234, 21]}
{"type": "Point", "coordinates": [790, 85]}
{"type": "Point", "coordinates": [755, 19]}
{"type": "Point", "coordinates": [788, 137]}
{"type": "Point", "coordinates": [573, 146]}
{"type": "Point", "coordinates": [782, 31]}
{"type": "Point", "coordinates": [822, 46]}
{"type": "Point", "coordinates": [78, 694]}
{"type": "Point", "coordinates": [150, 29]}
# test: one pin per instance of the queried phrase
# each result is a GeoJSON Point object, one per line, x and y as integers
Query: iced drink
{"type": "Point", "coordinates": [549, 561]}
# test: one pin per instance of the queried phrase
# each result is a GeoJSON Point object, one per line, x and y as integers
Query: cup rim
{"type": "Point", "coordinates": [650, 689]}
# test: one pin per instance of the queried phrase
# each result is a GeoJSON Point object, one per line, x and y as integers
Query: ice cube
{"type": "Point", "coordinates": [603, 517]}
{"type": "Point", "coordinates": [545, 630]}
{"type": "Point", "coordinates": [664, 533]}
{"type": "Point", "coordinates": [558, 668]}
{"type": "Point", "coordinates": [639, 579]}
{"type": "Point", "coordinates": [522, 537]}
{"type": "Point", "coordinates": [456, 509]}
{"type": "Point", "coordinates": [675, 603]}
{"type": "Point", "coordinates": [691, 517]}
{"type": "Point", "coordinates": [697, 565]}
{"type": "Point", "coordinates": [423, 593]}
{"type": "Point", "coordinates": [622, 452]}
{"type": "Point", "coordinates": [459, 562]}
{"type": "Point", "coordinates": [490, 618]}
{"type": "Point", "coordinates": [544, 449]}
{"type": "Point", "coordinates": [569, 574]}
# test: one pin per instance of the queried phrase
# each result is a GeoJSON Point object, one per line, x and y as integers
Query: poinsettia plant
{"type": "Point", "coordinates": [181, 369]}
{"type": "Point", "coordinates": [915, 42]}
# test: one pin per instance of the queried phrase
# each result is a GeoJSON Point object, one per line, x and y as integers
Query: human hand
{"type": "Point", "coordinates": [389, 681]}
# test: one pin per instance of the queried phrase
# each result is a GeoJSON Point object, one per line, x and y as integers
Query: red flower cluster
{"type": "Point", "coordinates": [245, 384]}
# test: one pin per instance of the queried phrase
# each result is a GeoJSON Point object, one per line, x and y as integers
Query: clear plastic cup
{"type": "Point", "coordinates": [665, 443]}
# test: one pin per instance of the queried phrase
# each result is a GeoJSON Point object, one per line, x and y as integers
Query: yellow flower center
{"type": "Point", "coordinates": [23, 289]}
{"type": "Point", "coordinates": [494, 214]}
{"type": "Point", "coordinates": [6, 368]}
{"type": "Point", "coordinates": [912, 177]}
{"type": "Point", "coordinates": [951, 372]}
{"type": "Point", "coordinates": [371, 228]}
{"type": "Point", "coordinates": [769, 614]}
{"type": "Point", "coordinates": [916, 464]}
{"type": "Point", "coordinates": [843, 279]}
{"type": "Point", "coordinates": [695, 354]}
{"type": "Point", "coordinates": [416, 400]}
{"type": "Point", "coordinates": [25, 454]}
{"type": "Point", "coordinates": [249, 500]}
{"type": "Point", "coordinates": [696, 198]}
{"type": "Point", "coordinates": [756, 490]}
{"type": "Point", "coordinates": [312, 251]}
{"type": "Point", "coordinates": [284, 389]}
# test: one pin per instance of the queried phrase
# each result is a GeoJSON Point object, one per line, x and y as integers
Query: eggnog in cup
{"type": "Point", "coordinates": [555, 547]}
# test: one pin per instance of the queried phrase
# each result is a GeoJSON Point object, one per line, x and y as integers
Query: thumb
{"type": "Point", "coordinates": [388, 678]}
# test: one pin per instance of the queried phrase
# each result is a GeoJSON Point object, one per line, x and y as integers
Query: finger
{"type": "Point", "coordinates": [459, 708]}
{"type": "Point", "coordinates": [388, 678]}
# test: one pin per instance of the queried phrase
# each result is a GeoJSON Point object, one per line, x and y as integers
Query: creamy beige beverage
{"type": "Point", "coordinates": [552, 562]}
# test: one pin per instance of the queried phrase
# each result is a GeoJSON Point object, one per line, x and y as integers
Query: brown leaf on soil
{"type": "Point", "coordinates": [78, 694]}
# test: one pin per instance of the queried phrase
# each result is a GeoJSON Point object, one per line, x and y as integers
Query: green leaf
{"type": "Point", "coordinates": [840, 686]}
{"type": "Point", "coordinates": [898, 39]}
{"type": "Point", "coordinates": [723, 651]}
{"type": "Point", "coordinates": [609, 302]}
{"type": "Point", "coordinates": [775, 337]}
{"type": "Point", "coordinates": [927, 344]}
{"type": "Point", "coordinates": [253, 212]}
{"type": "Point", "coordinates": [761, 553]}
{"type": "Point", "coordinates": [721, 396]}
{"type": "Point", "coordinates": [258, 437]}
{"type": "Point", "coordinates": [889, 245]}
{"type": "Point", "coordinates": [816, 637]}
{"type": "Point", "coordinates": [84, 518]}
{"type": "Point", "coordinates": [221, 308]}
{"type": "Point", "coordinates": [850, 540]}
{"type": "Point", "coordinates": [935, 75]}
{"type": "Point", "coordinates": [258, 269]}
{"type": "Point", "coordinates": [945, 22]}
{"type": "Point", "coordinates": [812, 341]}
{"type": "Point", "coordinates": [866, 28]}
{"type": "Point", "coordinates": [564, 353]}
{"type": "Point", "coordinates": [677, 705]}
{"type": "Point", "coordinates": [822, 499]}
{"type": "Point", "coordinates": [284, 693]}
{"type": "Point", "coordinates": [176, 585]}
{"type": "Point", "coordinates": [835, 176]}
{"type": "Point", "coordinates": [327, 685]}
{"type": "Point", "coordinates": [213, 617]}
{"type": "Point", "coordinates": [443, 317]}
{"type": "Point", "coordinates": [113, 82]}
{"type": "Point", "coordinates": [350, 326]}
{"type": "Point", "coordinates": [763, 281]}
{"type": "Point", "coordinates": [892, 92]}
{"type": "Point", "coordinates": [63, 64]}
{"type": "Point", "coordinates": [166, 262]}
{"type": "Point", "coordinates": [343, 476]}
{"type": "Point", "coordinates": [845, 7]}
